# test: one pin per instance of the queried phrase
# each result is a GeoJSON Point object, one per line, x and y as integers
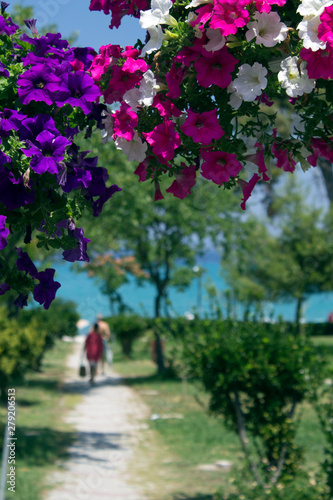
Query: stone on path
{"type": "Point", "coordinates": [108, 422]}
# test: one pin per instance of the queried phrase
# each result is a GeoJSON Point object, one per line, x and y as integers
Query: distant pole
{"type": "Point", "coordinates": [4, 462]}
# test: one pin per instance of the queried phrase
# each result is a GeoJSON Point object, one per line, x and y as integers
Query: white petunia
{"type": "Point", "coordinates": [196, 3]}
{"type": "Point", "coordinates": [132, 97]}
{"type": "Point", "coordinates": [311, 8]}
{"type": "Point", "coordinates": [155, 41]}
{"type": "Point", "coordinates": [107, 132]}
{"type": "Point", "coordinates": [235, 100]}
{"type": "Point", "coordinates": [135, 150]}
{"type": "Point", "coordinates": [294, 77]}
{"type": "Point", "coordinates": [308, 32]}
{"type": "Point", "coordinates": [158, 14]}
{"type": "Point", "coordinates": [147, 88]}
{"type": "Point", "coordinates": [250, 81]}
{"type": "Point", "coordinates": [216, 40]}
{"type": "Point", "coordinates": [266, 29]}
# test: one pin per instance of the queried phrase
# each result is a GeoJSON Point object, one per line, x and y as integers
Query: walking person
{"type": "Point", "coordinates": [105, 333]}
{"type": "Point", "coordinates": [94, 351]}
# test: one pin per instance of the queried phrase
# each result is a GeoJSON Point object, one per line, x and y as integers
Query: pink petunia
{"type": "Point", "coordinates": [247, 188]}
{"type": "Point", "coordinates": [229, 15]}
{"type": "Point", "coordinates": [184, 181]}
{"type": "Point", "coordinates": [258, 159]}
{"type": "Point", "coordinates": [283, 157]}
{"type": "Point", "coordinates": [158, 193]}
{"type": "Point", "coordinates": [265, 5]}
{"type": "Point", "coordinates": [203, 128]}
{"type": "Point", "coordinates": [174, 79]}
{"type": "Point", "coordinates": [164, 139]}
{"type": "Point", "coordinates": [215, 68]}
{"type": "Point", "coordinates": [319, 147]}
{"type": "Point", "coordinates": [325, 29]}
{"type": "Point", "coordinates": [125, 121]}
{"type": "Point", "coordinates": [319, 63]}
{"type": "Point", "coordinates": [165, 107]}
{"type": "Point", "coordinates": [219, 166]}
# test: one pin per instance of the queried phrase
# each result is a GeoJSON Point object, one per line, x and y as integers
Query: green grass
{"type": "Point", "coordinates": [42, 437]}
{"type": "Point", "coordinates": [177, 446]}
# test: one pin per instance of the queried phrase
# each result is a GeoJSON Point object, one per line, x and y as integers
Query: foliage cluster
{"type": "Point", "coordinates": [256, 375]}
{"type": "Point", "coordinates": [127, 328]}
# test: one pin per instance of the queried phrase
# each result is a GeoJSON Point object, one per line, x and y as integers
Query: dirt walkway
{"type": "Point", "coordinates": [108, 422]}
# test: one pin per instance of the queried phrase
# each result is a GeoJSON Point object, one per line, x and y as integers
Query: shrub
{"type": "Point", "coordinates": [127, 328]}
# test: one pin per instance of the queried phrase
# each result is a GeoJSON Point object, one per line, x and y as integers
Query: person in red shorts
{"type": "Point", "coordinates": [94, 350]}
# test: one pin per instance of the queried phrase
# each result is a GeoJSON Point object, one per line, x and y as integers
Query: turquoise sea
{"type": "Point", "coordinates": [85, 291]}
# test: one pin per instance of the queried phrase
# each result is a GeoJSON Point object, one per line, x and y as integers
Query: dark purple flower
{"type": "Point", "coordinates": [7, 27]}
{"type": "Point", "coordinates": [4, 288]}
{"type": "Point", "coordinates": [75, 175]}
{"type": "Point", "coordinates": [32, 127]}
{"type": "Point", "coordinates": [78, 253]}
{"type": "Point", "coordinates": [4, 232]}
{"type": "Point", "coordinates": [97, 205]}
{"type": "Point", "coordinates": [31, 25]}
{"type": "Point", "coordinates": [85, 55]}
{"type": "Point", "coordinates": [3, 71]}
{"type": "Point", "coordinates": [14, 193]}
{"type": "Point", "coordinates": [21, 301]}
{"type": "Point", "coordinates": [10, 120]}
{"type": "Point", "coordinates": [49, 154]}
{"type": "Point", "coordinates": [4, 6]}
{"type": "Point", "coordinates": [4, 158]}
{"type": "Point", "coordinates": [78, 89]}
{"type": "Point", "coordinates": [44, 293]}
{"type": "Point", "coordinates": [25, 264]}
{"type": "Point", "coordinates": [38, 84]}
{"type": "Point", "coordinates": [99, 177]}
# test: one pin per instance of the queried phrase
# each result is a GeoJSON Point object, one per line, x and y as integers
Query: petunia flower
{"type": "Point", "coordinates": [216, 40]}
{"type": "Point", "coordinates": [164, 140]}
{"type": "Point", "coordinates": [25, 264]}
{"type": "Point", "coordinates": [125, 121]}
{"type": "Point", "coordinates": [183, 183]}
{"type": "Point", "coordinates": [158, 14]}
{"type": "Point", "coordinates": [247, 188]}
{"type": "Point", "coordinates": [78, 89]}
{"type": "Point", "coordinates": [4, 232]}
{"type": "Point", "coordinates": [203, 128]}
{"type": "Point", "coordinates": [38, 84]}
{"type": "Point", "coordinates": [308, 32]}
{"type": "Point", "coordinates": [228, 16]}
{"type": "Point", "coordinates": [44, 293]}
{"type": "Point", "coordinates": [135, 150]}
{"type": "Point", "coordinates": [219, 166]}
{"type": "Point", "coordinates": [48, 155]}
{"type": "Point", "coordinates": [79, 252]}
{"type": "Point", "coordinates": [250, 81]}
{"type": "Point", "coordinates": [215, 68]}
{"type": "Point", "coordinates": [319, 63]}
{"type": "Point", "coordinates": [294, 77]}
{"type": "Point", "coordinates": [325, 29]}
{"type": "Point", "coordinates": [267, 29]}
{"type": "Point", "coordinates": [154, 43]}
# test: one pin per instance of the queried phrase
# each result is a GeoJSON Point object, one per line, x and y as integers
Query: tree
{"type": "Point", "coordinates": [164, 237]}
{"type": "Point", "coordinates": [295, 262]}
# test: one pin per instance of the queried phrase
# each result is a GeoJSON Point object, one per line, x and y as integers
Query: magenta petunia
{"type": "Point", "coordinates": [283, 157]}
{"type": "Point", "coordinates": [174, 79]}
{"type": "Point", "coordinates": [265, 5]}
{"type": "Point", "coordinates": [125, 120]}
{"type": "Point", "coordinates": [164, 139]}
{"type": "Point", "coordinates": [78, 89]}
{"type": "Point", "coordinates": [229, 15]}
{"type": "Point", "coordinates": [319, 63]}
{"type": "Point", "coordinates": [184, 181]}
{"type": "Point", "coordinates": [203, 128]}
{"type": "Point", "coordinates": [215, 68]}
{"type": "Point", "coordinates": [219, 166]}
{"type": "Point", "coordinates": [38, 84]}
{"type": "Point", "coordinates": [325, 29]}
{"type": "Point", "coordinates": [247, 188]}
{"type": "Point", "coordinates": [165, 107]}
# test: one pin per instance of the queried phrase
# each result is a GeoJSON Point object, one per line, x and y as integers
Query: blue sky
{"type": "Point", "coordinates": [74, 15]}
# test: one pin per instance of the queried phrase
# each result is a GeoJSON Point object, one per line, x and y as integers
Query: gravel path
{"type": "Point", "coordinates": [108, 422]}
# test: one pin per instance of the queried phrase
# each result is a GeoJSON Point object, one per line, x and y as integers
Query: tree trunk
{"type": "Point", "coordinates": [298, 313]}
{"type": "Point", "coordinates": [327, 171]}
{"type": "Point", "coordinates": [158, 342]}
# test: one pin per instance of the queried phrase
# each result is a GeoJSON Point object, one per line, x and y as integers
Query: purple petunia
{"type": "Point", "coordinates": [74, 174]}
{"type": "Point", "coordinates": [45, 291]}
{"type": "Point", "coordinates": [10, 120]}
{"type": "Point", "coordinates": [4, 232]}
{"type": "Point", "coordinates": [25, 264]}
{"type": "Point", "coordinates": [38, 84]}
{"type": "Point", "coordinates": [7, 27]}
{"type": "Point", "coordinates": [4, 288]}
{"type": "Point", "coordinates": [97, 205]}
{"type": "Point", "coordinates": [32, 127]}
{"type": "Point", "coordinates": [31, 24]}
{"type": "Point", "coordinates": [78, 89]}
{"type": "Point", "coordinates": [14, 193]}
{"type": "Point", "coordinates": [78, 253]}
{"type": "Point", "coordinates": [49, 154]}
{"type": "Point", "coordinates": [3, 71]}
